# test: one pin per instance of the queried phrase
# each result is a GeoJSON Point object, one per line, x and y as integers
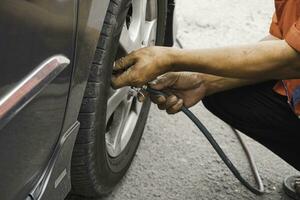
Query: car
{"type": "Point", "coordinates": [64, 132]}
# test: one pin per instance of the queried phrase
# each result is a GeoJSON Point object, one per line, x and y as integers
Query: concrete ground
{"type": "Point", "coordinates": [174, 161]}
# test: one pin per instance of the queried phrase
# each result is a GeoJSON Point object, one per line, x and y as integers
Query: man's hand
{"type": "Point", "coordinates": [141, 66]}
{"type": "Point", "coordinates": [182, 88]}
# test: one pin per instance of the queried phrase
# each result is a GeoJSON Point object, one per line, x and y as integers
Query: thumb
{"type": "Point", "coordinates": [162, 82]}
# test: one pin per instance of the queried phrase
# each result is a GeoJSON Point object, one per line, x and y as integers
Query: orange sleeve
{"type": "Point", "coordinates": [293, 36]}
{"type": "Point", "coordinates": [274, 28]}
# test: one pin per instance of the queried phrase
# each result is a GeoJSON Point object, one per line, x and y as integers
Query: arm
{"type": "Point", "coordinates": [262, 61]}
{"type": "Point", "coordinates": [257, 62]}
{"type": "Point", "coordinates": [220, 69]}
{"type": "Point", "coordinates": [215, 84]}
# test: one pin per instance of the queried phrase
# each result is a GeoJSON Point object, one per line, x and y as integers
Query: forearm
{"type": "Point", "coordinates": [215, 84]}
{"type": "Point", "coordinates": [262, 61]}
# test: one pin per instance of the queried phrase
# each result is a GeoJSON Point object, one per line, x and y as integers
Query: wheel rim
{"type": "Point", "coordinates": [123, 109]}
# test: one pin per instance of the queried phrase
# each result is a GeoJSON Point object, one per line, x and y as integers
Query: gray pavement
{"type": "Point", "coordinates": [174, 161]}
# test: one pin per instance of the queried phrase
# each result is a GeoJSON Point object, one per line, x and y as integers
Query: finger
{"type": "Point", "coordinates": [124, 62]}
{"type": "Point", "coordinates": [175, 108]}
{"type": "Point", "coordinates": [122, 80]}
{"type": "Point", "coordinates": [142, 96]}
{"type": "Point", "coordinates": [118, 82]}
{"type": "Point", "coordinates": [171, 101]}
{"type": "Point", "coordinates": [163, 81]}
{"type": "Point", "coordinates": [162, 103]}
{"type": "Point", "coordinates": [158, 99]}
{"type": "Point", "coordinates": [161, 106]}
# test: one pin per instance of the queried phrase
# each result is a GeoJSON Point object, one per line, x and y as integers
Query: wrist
{"type": "Point", "coordinates": [174, 55]}
{"type": "Point", "coordinates": [187, 60]}
{"type": "Point", "coordinates": [209, 83]}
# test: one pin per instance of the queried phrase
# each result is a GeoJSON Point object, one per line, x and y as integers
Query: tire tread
{"type": "Point", "coordinates": [83, 154]}
{"type": "Point", "coordinates": [83, 173]}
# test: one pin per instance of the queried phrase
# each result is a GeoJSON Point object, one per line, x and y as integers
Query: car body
{"type": "Point", "coordinates": [47, 47]}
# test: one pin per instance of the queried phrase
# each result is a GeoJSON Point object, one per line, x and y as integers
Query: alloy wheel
{"type": "Point", "coordinates": [123, 109]}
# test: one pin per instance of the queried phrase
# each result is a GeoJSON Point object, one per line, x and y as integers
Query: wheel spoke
{"type": "Point", "coordinates": [128, 129]}
{"type": "Point", "coordinates": [150, 33]}
{"type": "Point", "coordinates": [138, 31]}
{"type": "Point", "coordinates": [115, 100]}
{"type": "Point", "coordinates": [125, 40]}
{"type": "Point", "coordinates": [139, 17]}
{"type": "Point", "coordinates": [150, 25]}
{"type": "Point", "coordinates": [122, 125]}
{"type": "Point", "coordinates": [130, 123]}
{"type": "Point", "coordinates": [131, 38]}
{"type": "Point", "coordinates": [114, 136]}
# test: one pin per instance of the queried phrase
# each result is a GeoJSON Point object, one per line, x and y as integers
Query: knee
{"type": "Point", "coordinates": [216, 105]}
{"type": "Point", "coordinates": [209, 103]}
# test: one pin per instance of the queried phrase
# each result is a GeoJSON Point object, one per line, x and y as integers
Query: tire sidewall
{"type": "Point", "coordinates": [110, 170]}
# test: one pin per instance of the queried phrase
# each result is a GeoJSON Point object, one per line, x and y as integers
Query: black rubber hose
{"type": "Point", "coordinates": [179, 43]}
{"type": "Point", "coordinates": [251, 161]}
{"type": "Point", "coordinates": [216, 146]}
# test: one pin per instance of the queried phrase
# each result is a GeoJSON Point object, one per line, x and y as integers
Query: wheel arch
{"type": "Point", "coordinates": [90, 19]}
{"type": "Point", "coordinates": [170, 34]}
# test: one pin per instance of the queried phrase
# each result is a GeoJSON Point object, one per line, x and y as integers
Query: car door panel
{"type": "Point", "coordinates": [32, 31]}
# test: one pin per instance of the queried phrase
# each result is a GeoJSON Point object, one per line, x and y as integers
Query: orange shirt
{"type": "Point", "coordinates": [286, 25]}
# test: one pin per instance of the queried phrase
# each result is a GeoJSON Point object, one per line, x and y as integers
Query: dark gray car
{"type": "Point", "coordinates": [64, 132]}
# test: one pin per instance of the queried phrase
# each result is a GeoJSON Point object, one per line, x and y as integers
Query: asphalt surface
{"type": "Point", "coordinates": [174, 161]}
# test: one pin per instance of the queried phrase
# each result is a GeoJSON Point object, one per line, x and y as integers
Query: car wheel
{"type": "Point", "coordinates": [112, 121]}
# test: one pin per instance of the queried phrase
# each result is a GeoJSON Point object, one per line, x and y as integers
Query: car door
{"type": "Point", "coordinates": [32, 31]}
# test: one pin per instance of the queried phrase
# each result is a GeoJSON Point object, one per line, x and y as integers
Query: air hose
{"type": "Point", "coordinates": [220, 152]}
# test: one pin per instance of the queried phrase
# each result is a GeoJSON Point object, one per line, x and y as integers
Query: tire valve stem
{"type": "Point", "coordinates": [136, 92]}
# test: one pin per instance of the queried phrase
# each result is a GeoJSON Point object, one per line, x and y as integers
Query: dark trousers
{"type": "Point", "coordinates": [263, 115]}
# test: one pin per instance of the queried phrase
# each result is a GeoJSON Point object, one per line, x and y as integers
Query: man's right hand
{"type": "Point", "coordinates": [142, 66]}
{"type": "Point", "coordinates": [182, 88]}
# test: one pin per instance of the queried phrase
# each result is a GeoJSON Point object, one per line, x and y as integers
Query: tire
{"type": "Point", "coordinates": [93, 172]}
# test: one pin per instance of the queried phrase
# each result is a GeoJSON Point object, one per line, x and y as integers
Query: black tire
{"type": "Point", "coordinates": [94, 173]}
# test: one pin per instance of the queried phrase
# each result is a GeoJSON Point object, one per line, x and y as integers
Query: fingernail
{"type": "Point", "coordinates": [180, 101]}
{"type": "Point", "coordinates": [154, 82]}
{"type": "Point", "coordinates": [161, 98]}
{"type": "Point", "coordinates": [141, 98]}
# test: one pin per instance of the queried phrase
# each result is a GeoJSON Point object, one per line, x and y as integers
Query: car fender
{"type": "Point", "coordinates": [91, 15]}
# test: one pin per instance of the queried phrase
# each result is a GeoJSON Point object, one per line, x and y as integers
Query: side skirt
{"type": "Point", "coordinates": [55, 182]}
